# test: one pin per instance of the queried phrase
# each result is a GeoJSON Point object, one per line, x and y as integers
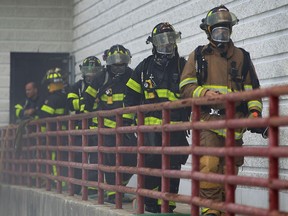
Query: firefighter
{"type": "Point", "coordinates": [91, 69]}
{"type": "Point", "coordinates": [156, 79]}
{"type": "Point", "coordinates": [219, 68]}
{"type": "Point", "coordinates": [54, 105]}
{"type": "Point", "coordinates": [28, 109]}
{"type": "Point", "coordinates": [109, 96]}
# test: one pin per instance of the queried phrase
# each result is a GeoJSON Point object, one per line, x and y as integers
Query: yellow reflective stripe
{"type": "Point", "coordinates": [43, 129]}
{"type": "Point", "coordinates": [82, 107]}
{"type": "Point", "coordinates": [91, 91]}
{"type": "Point", "coordinates": [95, 120]}
{"type": "Point", "coordinates": [255, 104]}
{"type": "Point", "coordinates": [110, 193]}
{"type": "Point", "coordinates": [60, 111]}
{"type": "Point", "coordinates": [165, 93]}
{"type": "Point", "coordinates": [134, 85]}
{"type": "Point", "coordinates": [204, 210]}
{"type": "Point", "coordinates": [115, 97]}
{"type": "Point", "coordinates": [92, 188]}
{"type": "Point", "coordinates": [190, 80]}
{"type": "Point", "coordinates": [155, 121]}
{"type": "Point", "coordinates": [197, 91]}
{"type": "Point", "coordinates": [248, 87]}
{"type": "Point", "coordinates": [221, 89]}
{"type": "Point", "coordinates": [18, 109]}
{"type": "Point", "coordinates": [48, 109]}
{"type": "Point", "coordinates": [75, 103]}
{"type": "Point", "coordinates": [171, 203]}
{"type": "Point", "coordinates": [109, 123]}
{"type": "Point", "coordinates": [72, 95]}
{"type": "Point", "coordinates": [128, 115]}
{"type": "Point", "coordinates": [54, 169]}
{"type": "Point", "coordinates": [222, 132]}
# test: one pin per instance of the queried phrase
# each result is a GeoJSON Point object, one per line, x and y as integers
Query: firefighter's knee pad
{"type": "Point", "coordinates": [209, 164]}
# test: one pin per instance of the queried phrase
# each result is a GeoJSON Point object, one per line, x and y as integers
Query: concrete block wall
{"type": "Point", "coordinates": [262, 31]}
{"type": "Point", "coordinates": [31, 26]}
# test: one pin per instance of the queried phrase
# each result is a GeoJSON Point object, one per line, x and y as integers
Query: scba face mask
{"type": "Point", "coordinates": [167, 49]}
{"type": "Point", "coordinates": [220, 34]}
{"type": "Point", "coordinates": [118, 69]}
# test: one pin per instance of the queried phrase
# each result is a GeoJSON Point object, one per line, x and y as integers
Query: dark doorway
{"type": "Point", "coordinates": [27, 67]}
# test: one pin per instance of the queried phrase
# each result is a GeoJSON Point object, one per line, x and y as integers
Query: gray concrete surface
{"type": "Point", "coordinates": [22, 201]}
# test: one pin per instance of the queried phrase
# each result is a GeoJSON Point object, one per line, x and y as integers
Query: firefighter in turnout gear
{"type": "Point", "coordinates": [91, 69]}
{"type": "Point", "coordinates": [109, 96]}
{"type": "Point", "coordinates": [156, 79]}
{"type": "Point", "coordinates": [55, 105]}
{"type": "Point", "coordinates": [29, 108]}
{"type": "Point", "coordinates": [219, 68]}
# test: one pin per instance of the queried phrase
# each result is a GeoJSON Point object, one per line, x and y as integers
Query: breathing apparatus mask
{"type": "Point", "coordinates": [164, 39]}
{"type": "Point", "coordinates": [92, 69]}
{"type": "Point", "coordinates": [117, 59]}
{"type": "Point", "coordinates": [218, 25]}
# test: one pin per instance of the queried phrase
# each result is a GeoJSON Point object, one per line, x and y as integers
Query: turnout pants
{"type": "Point", "coordinates": [154, 161]}
{"type": "Point", "coordinates": [214, 164]}
{"type": "Point", "coordinates": [127, 159]}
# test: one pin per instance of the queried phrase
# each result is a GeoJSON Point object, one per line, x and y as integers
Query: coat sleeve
{"type": "Point", "coordinates": [188, 83]}
{"type": "Point", "coordinates": [252, 82]}
{"type": "Point", "coordinates": [73, 98]}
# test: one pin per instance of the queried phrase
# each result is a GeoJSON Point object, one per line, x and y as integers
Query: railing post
{"type": "Point", "coordinates": [100, 159]}
{"type": "Point", "coordinates": [273, 161]}
{"type": "Point", "coordinates": [58, 158]}
{"type": "Point", "coordinates": [195, 159]}
{"type": "Point", "coordinates": [140, 163]}
{"type": "Point", "coordinates": [165, 182]}
{"type": "Point", "coordinates": [118, 175]}
{"type": "Point", "coordinates": [84, 159]}
{"type": "Point", "coordinates": [229, 160]}
{"type": "Point", "coordinates": [48, 158]}
{"type": "Point", "coordinates": [71, 157]}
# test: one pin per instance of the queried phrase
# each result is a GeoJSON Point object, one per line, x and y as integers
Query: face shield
{"type": "Point", "coordinates": [166, 38]}
{"type": "Point", "coordinates": [118, 58]}
{"type": "Point", "coordinates": [167, 49]}
{"type": "Point", "coordinates": [89, 73]}
{"type": "Point", "coordinates": [220, 34]}
{"type": "Point", "coordinates": [165, 42]}
{"type": "Point", "coordinates": [221, 17]}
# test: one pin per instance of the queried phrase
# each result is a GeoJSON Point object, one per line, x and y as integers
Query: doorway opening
{"type": "Point", "coordinates": [31, 67]}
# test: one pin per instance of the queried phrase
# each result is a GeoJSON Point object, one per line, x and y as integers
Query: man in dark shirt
{"type": "Point", "coordinates": [28, 109]}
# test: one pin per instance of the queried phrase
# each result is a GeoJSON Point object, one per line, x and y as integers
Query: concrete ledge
{"type": "Point", "coordinates": [22, 201]}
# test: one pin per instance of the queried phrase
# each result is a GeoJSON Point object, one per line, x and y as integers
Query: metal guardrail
{"type": "Point", "coordinates": [26, 167]}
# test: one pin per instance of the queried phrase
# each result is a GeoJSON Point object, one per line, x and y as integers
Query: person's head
{"type": "Point", "coordinates": [117, 59]}
{"type": "Point", "coordinates": [31, 90]}
{"type": "Point", "coordinates": [54, 80]}
{"type": "Point", "coordinates": [91, 68]}
{"type": "Point", "coordinates": [218, 25]}
{"type": "Point", "coordinates": [164, 39]}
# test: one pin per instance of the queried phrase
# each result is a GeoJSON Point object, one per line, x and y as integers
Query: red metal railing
{"type": "Point", "coordinates": [32, 166]}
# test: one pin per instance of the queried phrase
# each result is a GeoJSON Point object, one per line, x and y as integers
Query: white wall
{"type": "Point", "coordinates": [262, 30]}
{"type": "Point", "coordinates": [31, 26]}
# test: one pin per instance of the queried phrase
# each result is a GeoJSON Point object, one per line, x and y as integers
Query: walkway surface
{"type": "Point", "coordinates": [23, 201]}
